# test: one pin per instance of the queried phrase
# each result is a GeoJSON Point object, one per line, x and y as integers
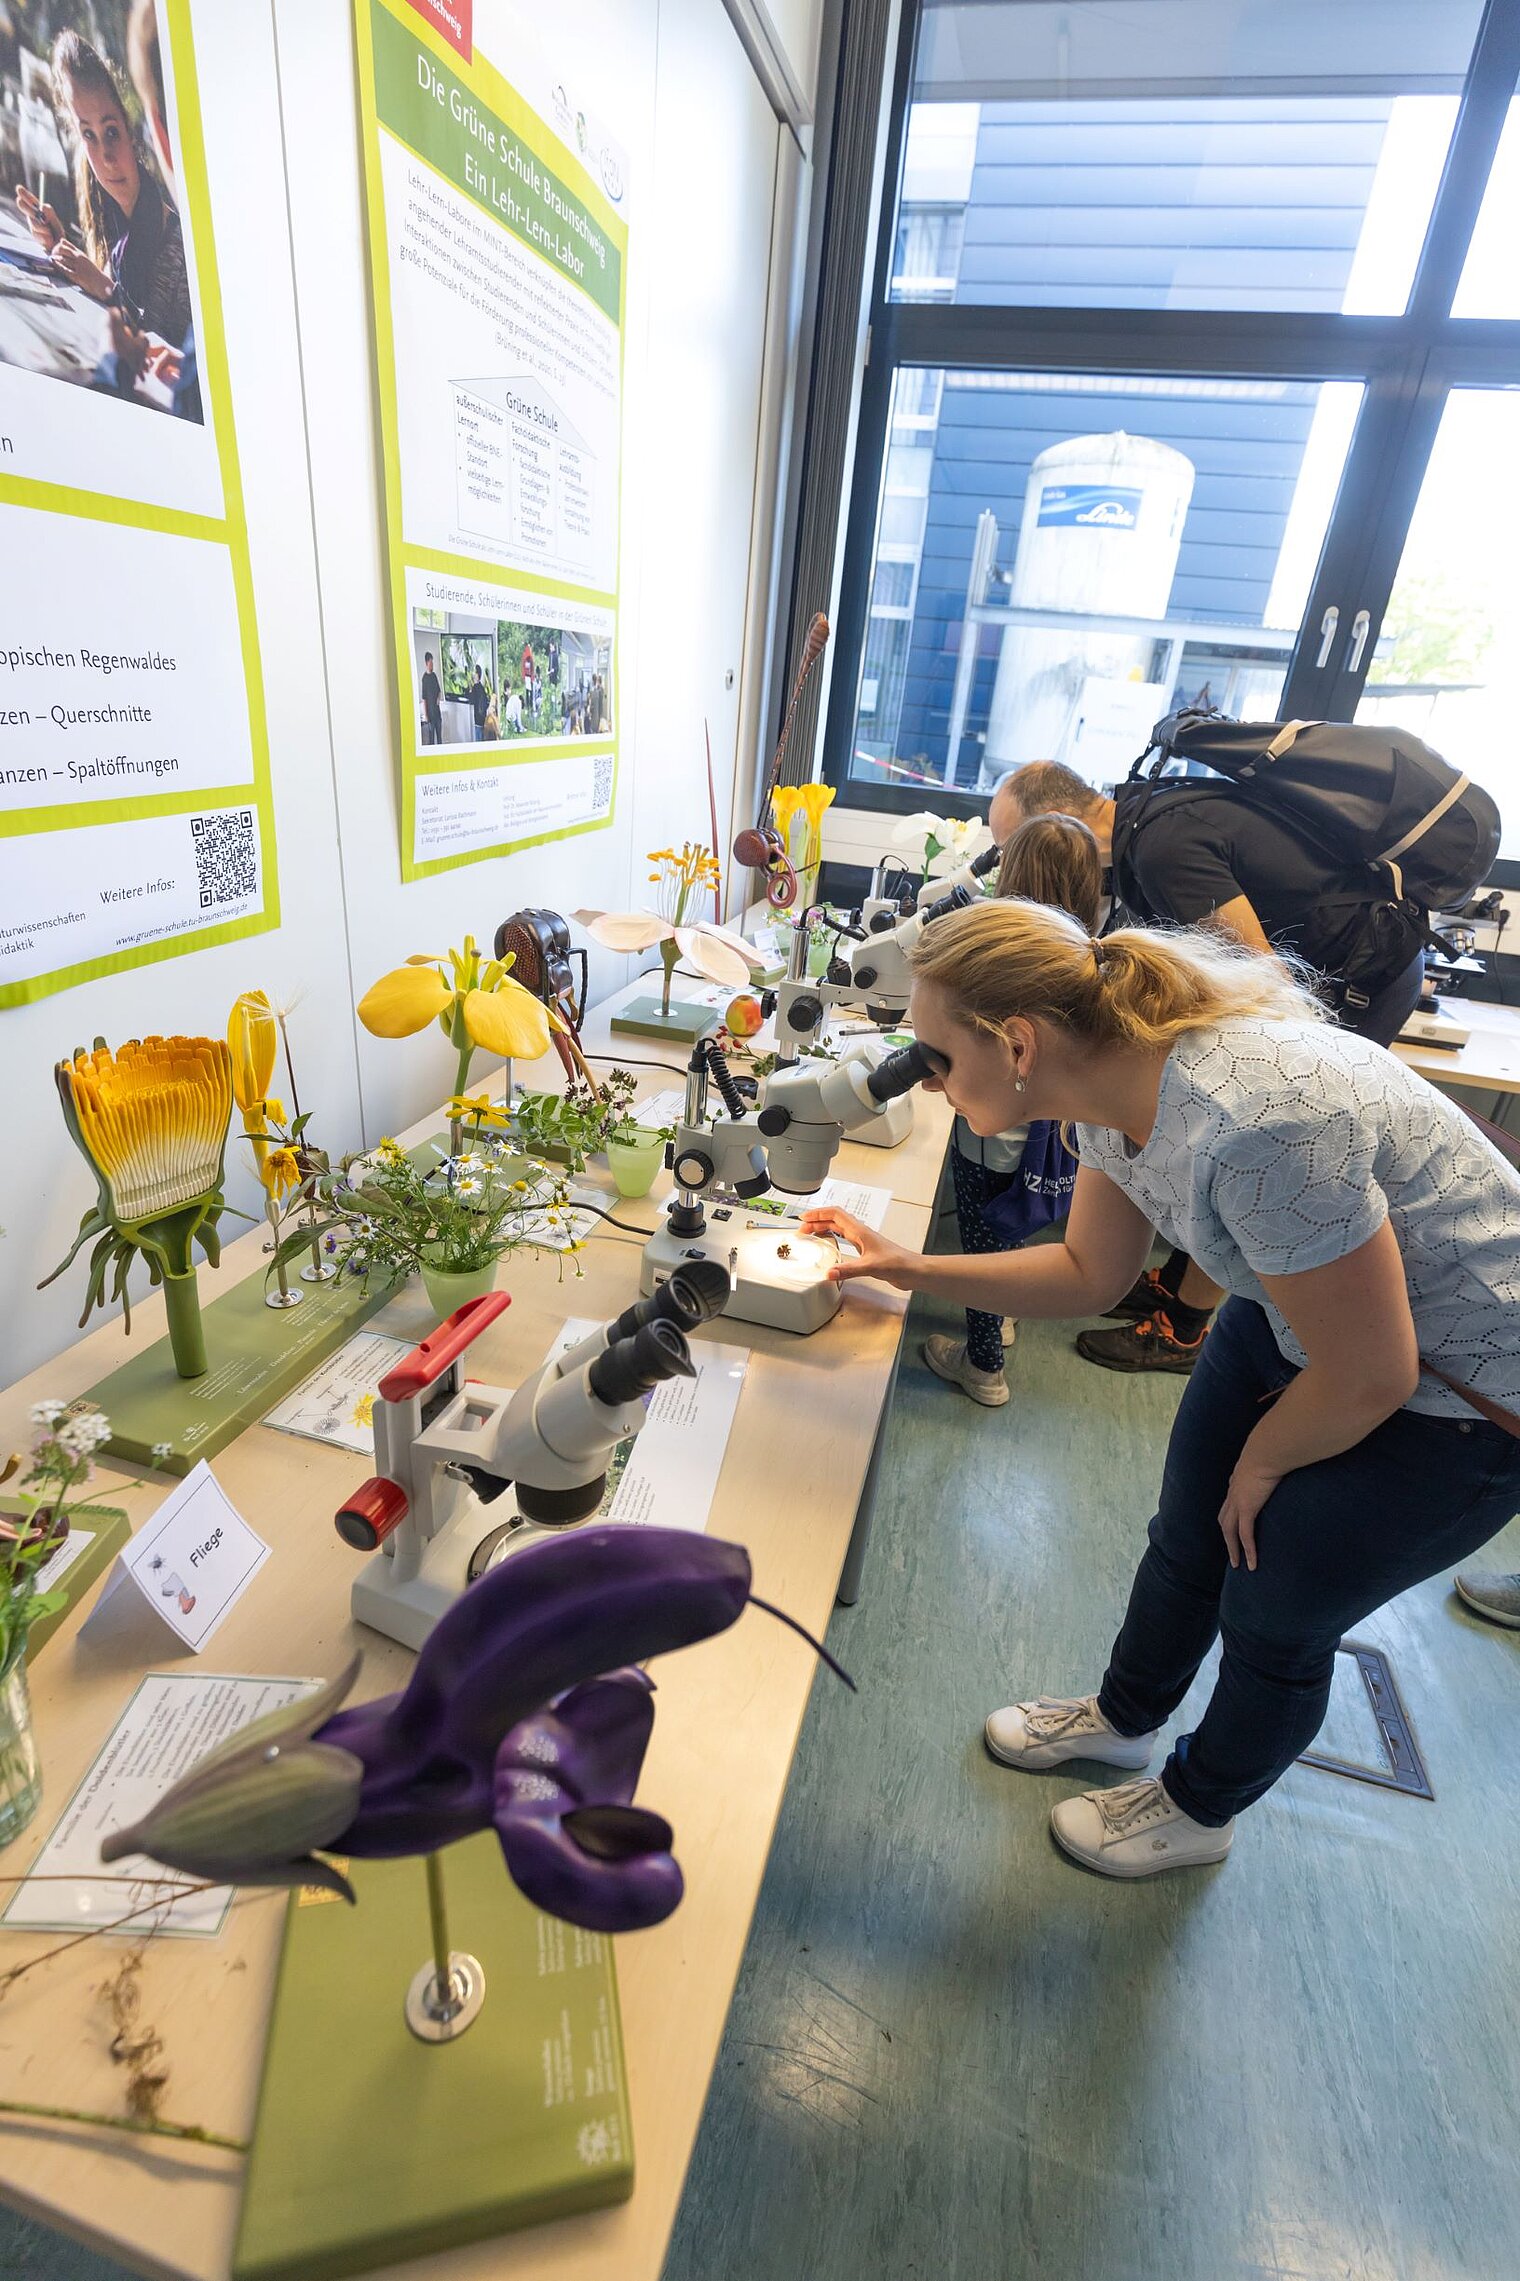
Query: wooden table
{"type": "Point", "coordinates": [1490, 1060]}
{"type": "Point", "coordinates": [799, 1462]}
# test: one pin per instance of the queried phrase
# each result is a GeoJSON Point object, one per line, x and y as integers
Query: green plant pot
{"type": "Point", "coordinates": [635, 1163]}
{"type": "Point", "coordinates": [446, 1292]}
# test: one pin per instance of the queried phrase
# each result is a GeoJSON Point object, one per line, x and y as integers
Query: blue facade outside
{"type": "Point", "coordinates": [1248, 204]}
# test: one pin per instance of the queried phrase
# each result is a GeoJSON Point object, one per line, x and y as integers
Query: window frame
{"type": "Point", "coordinates": [1408, 365]}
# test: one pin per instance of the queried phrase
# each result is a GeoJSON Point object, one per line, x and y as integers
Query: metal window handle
{"type": "Point", "coordinates": [1360, 627]}
{"type": "Point", "coordinates": [1327, 626]}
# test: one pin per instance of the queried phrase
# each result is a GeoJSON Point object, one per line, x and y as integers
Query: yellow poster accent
{"type": "Point", "coordinates": [498, 254]}
{"type": "Point", "coordinates": [136, 820]}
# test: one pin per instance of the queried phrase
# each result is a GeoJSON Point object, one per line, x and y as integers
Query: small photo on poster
{"type": "Point", "coordinates": [94, 276]}
{"type": "Point", "coordinates": [502, 666]}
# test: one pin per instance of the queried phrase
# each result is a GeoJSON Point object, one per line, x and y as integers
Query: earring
{"type": "Point", "coordinates": [1018, 1084]}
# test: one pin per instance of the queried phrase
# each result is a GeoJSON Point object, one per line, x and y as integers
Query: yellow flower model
{"type": "Point", "coordinates": [253, 1036]}
{"type": "Point", "coordinates": [682, 878]}
{"type": "Point", "coordinates": [151, 1122]}
{"type": "Point", "coordinates": [474, 1004]}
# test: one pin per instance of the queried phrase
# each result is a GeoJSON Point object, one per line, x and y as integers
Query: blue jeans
{"type": "Point", "coordinates": [1334, 1541]}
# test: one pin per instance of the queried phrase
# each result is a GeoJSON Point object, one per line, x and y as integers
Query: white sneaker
{"type": "Point", "coordinates": [947, 1358]}
{"type": "Point", "coordinates": [1010, 1331]}
{"type": "Point", "coordinates": [1050, 1730]}
{"type": "Point", "coordinates": [1135, 1830]}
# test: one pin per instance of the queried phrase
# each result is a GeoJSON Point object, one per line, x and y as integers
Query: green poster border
{"type": "Point", "coordinates": [502, 100]}
{"type": "Point", "coordinates": [231, 530]}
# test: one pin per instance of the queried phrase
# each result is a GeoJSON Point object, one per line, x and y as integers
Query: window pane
{"type": "Point", "coordinates": [1490, 284]}
{"type": "Point", "coordinates": [1173, 525]}
{"type": "Point", "coordinates": [1451, 633]}
{"type": "Point", "coordinates": [1177, 154]}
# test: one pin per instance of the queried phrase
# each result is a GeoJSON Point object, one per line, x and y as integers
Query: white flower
{"type": "Point", "coordinates": [162, 1452]}
{"type": "Point", "coordinates": [84, 1433]}
{"type": "Point", "coordinates": [959, 842]}
{"type": "Point", "coordinates": [468, 1185]}
{"type": "Point", "coordinates": [46, 1413]}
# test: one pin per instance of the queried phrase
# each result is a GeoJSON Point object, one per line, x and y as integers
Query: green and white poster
{"type": "Point", "coordinates": [135, 812]}
{"type": "Point", "coordinates": [498, 250]}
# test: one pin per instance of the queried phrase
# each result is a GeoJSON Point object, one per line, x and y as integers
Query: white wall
{"type": "Point", "coordinates": [710, 325]}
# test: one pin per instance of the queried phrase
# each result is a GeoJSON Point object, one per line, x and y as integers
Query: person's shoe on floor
{"type": "Point", "coordinates": [948, 1359]}
{"type": "Point", "coordinates": [1141, 1300]}
{"type": "Point", "coordinates": [1491, 1595]}
{"type": "Point", "coordinates": [1134, 1830]}
{"type": "Point", "coordinates": [1149, 1345]}
{"type": "Point", "coordinates": [1051, 1729]}
{"type": "Point", "coordinates": [1010, 1331]}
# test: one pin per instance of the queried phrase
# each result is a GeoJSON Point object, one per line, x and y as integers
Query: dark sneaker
{"type": "Point", "coordinates": [1141, 1300]}
{"type": "Point", "coordinates": [1151, 1345]}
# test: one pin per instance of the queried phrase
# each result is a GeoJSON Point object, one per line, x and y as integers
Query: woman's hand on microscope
{"type": "Point", "coordinates": [877, 1257]}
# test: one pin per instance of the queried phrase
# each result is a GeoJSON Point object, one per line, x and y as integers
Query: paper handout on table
{"type": "Point", "coordinates": [869, 1204]}
{"type": "Point", "coordinates": [173, 1719]}
{"type": "Point", "coordinates": [194, 1560]}
{"type": "Point", "coordinates": [665, 1108]}
{"type": "Point", "coordinates": [668, 1473]}
{"type": "Point", "coordinates": [335, 1403]}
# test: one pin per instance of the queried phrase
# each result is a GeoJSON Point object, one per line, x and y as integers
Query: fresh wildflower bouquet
{"type": "Point", "coordinates": [62, 1460]}
{"type": "Point", "coordinates": [384, 1215]}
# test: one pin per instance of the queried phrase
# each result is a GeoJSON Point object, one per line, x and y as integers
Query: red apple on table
{"type": "Point", "coordinates": [743, 1017]}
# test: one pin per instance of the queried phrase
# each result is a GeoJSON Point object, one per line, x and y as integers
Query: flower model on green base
{"type": "Point", "coordinates": [683, 876]}
{"type": "Point", "coordinates": [151, 1122]}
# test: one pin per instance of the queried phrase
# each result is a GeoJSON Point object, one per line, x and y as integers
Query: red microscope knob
{"type": "Point", "coordinates": [376, 1507]}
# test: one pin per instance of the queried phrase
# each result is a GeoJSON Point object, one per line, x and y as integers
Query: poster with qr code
{"type": "Point", "coordinates": [498, 235]}
{"type": "Point", "coordinates": [136, 819]}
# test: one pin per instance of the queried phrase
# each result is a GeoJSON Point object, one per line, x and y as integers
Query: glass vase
{"type": "Point", "coordinates": [20, 1765]}
{"type": "Point", "coordinates": [447, 1291]}
{"type": "Point", "coordinates": [635, 1160]}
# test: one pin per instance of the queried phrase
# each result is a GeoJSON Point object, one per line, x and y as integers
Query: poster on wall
{"type": "Point", "coordinates": [135, 813]}
{"type": "Point", "coordinates": [498, 253]}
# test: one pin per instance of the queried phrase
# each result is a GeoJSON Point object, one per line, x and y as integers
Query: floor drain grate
{"type": "Point", "coordinates": [1405, 1768]}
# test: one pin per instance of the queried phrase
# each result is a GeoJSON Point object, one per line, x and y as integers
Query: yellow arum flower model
{"type": "Point", "coordinates": [474, 1004]}
{"type": "Point", "coordinates": [151, 1122]}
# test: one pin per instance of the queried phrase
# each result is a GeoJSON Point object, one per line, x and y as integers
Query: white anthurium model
{"type": "Point", "coordinates": [947, 841]}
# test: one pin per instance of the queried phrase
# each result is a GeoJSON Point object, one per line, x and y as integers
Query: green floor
{"type": "Point", "coordinates": [953, 2056]}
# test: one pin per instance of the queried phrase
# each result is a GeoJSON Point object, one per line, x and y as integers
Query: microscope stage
{"type": "Point", "coordinates": [780, 1277]}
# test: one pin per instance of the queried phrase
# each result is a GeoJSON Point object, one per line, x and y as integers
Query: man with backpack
{"type": "Point", "coordinates": [1280, 868]}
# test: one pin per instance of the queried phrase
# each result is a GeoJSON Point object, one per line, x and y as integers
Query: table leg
{"type": "Point", "coordinates": [860, 1535]}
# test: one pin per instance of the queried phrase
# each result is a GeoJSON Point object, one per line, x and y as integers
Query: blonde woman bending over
{"type": "Point", "coordinates": [1326, 1455]}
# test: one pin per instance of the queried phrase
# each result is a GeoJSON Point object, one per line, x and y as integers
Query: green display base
{"type": "Point", "coordinates": [107, 1531]}
{"type": "Point", "coordinates": [370, 2147]}
{"type": "Point", "coordinates": [641, 1018]}
{"type": "Point", "coordinates": [257, 1354]}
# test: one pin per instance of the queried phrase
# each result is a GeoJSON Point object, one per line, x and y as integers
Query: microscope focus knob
{"type": "Point", "coordinates": [774, 1121]}
{"type": "Point", "coordinates": [882, 922]}
{"type": "Point", "coordinates": [865, 976]}
{"type": "Point", "coordinates": [376, 1507]}
{"type": "Point", "coordinates": [805, 1014]}
{"type": "Point", "coordinates": [692, 1168]}
{"type": "Point", "coordinates": [767, 1003]}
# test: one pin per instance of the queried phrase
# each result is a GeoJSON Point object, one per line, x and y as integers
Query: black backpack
{"type": "Point", "coordinates": [1412, 833]}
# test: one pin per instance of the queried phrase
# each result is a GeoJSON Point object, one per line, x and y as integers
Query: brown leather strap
{"type": "Point", "coordinates": [1504, 1419]}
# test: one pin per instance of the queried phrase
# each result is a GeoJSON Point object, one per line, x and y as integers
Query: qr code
{"type": "Point", "coordinates": [226, 856]}
{"type": "Point", "coordinates": [601, 784]}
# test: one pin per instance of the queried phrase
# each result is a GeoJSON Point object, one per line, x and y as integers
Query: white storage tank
{"type": "Point", "coordinates": [1102, 525]}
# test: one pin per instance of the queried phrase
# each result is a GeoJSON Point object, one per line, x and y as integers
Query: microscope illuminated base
{"type": "Point", "coordinates": [780, 1277]}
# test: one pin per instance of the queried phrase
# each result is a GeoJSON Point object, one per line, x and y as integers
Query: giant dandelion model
{"type": "Point", "coordinates": [151, 1122]}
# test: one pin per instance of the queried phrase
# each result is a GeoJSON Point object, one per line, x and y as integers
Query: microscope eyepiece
{"type": "Point", "coordinates": [698, 1290]}
{"type": "Point", "coordinates": [988, 860]}
{"type": "Point", "coordinates": [958, 899]}
{"type": "Point", "coordinates": [898, 1074]}
{"type": "Point", "coordinates": [632, 1366]}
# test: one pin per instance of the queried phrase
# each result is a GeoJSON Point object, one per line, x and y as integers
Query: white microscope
{"type": "Point", "coordinates": [447, 1446]}
{"type": "Point", "coordinates": [786, 1140]}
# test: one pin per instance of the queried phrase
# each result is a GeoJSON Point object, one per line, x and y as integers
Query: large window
{"type": "Point", "coordinates": [1170, 296]}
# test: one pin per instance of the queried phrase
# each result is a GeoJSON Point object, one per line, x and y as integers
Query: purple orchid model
{"type": "Point", "coordinates": [520, 1716]}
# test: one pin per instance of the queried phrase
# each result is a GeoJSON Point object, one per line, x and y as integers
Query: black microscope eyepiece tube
{"type": "Point", "coordinates": [633, 1365]}
{"type": "Point", "coordinates": [958, 899]}
{"type": "Point", "coordinates": [899, 1073]}
{"type": "Point", "coordinates": [988, 860]}
{"type": "Point", "coordinates": [698, 1290]}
